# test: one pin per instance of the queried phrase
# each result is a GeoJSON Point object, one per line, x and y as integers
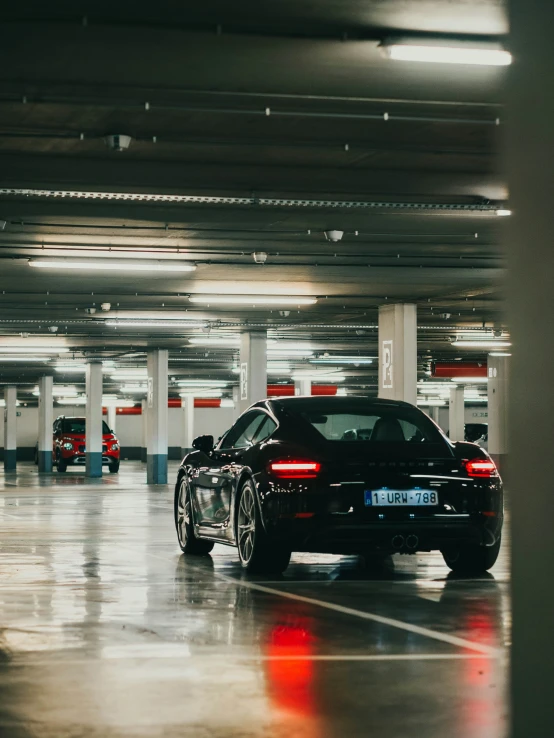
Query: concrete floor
{"type": "Point", "coordinates": [107, 630]}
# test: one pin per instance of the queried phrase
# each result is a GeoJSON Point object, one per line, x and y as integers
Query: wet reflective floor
{"type": "Point", "coordinates": [107, 630]}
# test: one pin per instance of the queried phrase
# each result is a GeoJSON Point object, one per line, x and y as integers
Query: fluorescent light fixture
{"type": "Point", "coordinates": [153, 324]}
{"type": "Point", "coordinates": [498, 353]}
{"type": "Point", "coordinates": [273, 367]}
{"type": "Point", "coordinates": [503, 212]}
{"type": "Point", "coordinates": [32, 350]}
{"type": "Point", "coordinates": [320, 377]}
{"type": "Point", "coordinates": [25, 359]}
{"type": "Point", "coordinates": [116, 402]}
{"type": "Point", "coordinates": [233, 341]}
{"type": "Point", "coordinates": [202, 383]}
{"type": "Point", "coordinates": [134, 388]}
{"type": "Point", "coordinates": [111, 265]}
{"type": "Point", "coordinates": [341, 392]}
{"type": "Point", "coordinates": [470, 380]}
{"type": "Point", "coordinates": [440, 52]}
{"type": "Point", "coordinates": [471, 400]}
{"type": "Point", "coordinates": [72, 401]}
{"type": "Point", "coordinates": [430, 402]}
{"type": "Point", "coordinates": [201, 392]}
{"type": "Point", "coordinates": [3, 403]}
{"type": "Point", "coordinates": [59, 392]}
{"type": "Point", "coordinates": [129, 373]}
{"type": "Point", "coordinates": [303, 353]}
{"type": "Point", "coordinates": [343, 360]}
{"type": "Point", "coordinates": [252, 300]}
{"type": "Point", "coordinates": [79, 368]}
{"type": "Point", "coordinates": [227, 403]}
{"type": "Point", "coordinates": [481, 344]}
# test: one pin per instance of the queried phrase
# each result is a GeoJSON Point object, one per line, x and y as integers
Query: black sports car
{"type": "Point", "coordinates": [347, 475]}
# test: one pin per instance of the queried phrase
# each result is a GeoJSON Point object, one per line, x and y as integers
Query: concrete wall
{"type": "Point", "coordinates": [214, 421]}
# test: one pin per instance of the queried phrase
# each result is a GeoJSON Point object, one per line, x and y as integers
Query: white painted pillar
{"type": "Point", "coordinates": [112, 413]}
{"type": "Point", "coordinates": [435, 413]}
{"type": "Point", "coordinates": [10, 429]}
{"type": "Point", "coordinates": [498, 392]}
{"type": "Point", "coordinates": [45, 423]}
{"type": "Point", "coordinates": [157, 417]}
{"type": "Point", "coordinates": [303, 387]}
{"type": "Point", "coordinates": [456, 431]}
{"type": "Point", "coordinates": [144, 423]}
{"type": "Point", "coordinates": [253, 368]}
{"type": "Point", "coordinates": [93, 413]}
{"type": "Point", "coordinates": [236, 400]}
{"type": "Point", "coordinates": [187, 424]}
{"type": "Point", "coordinates": [398, 352]}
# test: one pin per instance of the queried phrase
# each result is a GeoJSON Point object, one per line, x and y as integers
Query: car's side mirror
{"type": "Point", "coordinates": [204, 443]}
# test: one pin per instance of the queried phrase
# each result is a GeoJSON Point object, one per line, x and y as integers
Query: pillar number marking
{"type": "Point", "coordinates": [244, 381]}
{"type": "Point", "coordinates": [387, 365]}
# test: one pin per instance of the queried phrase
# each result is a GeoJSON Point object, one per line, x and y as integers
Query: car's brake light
{"type": "Point", "coordinates": [482, 468]}
{"type": "Point", "coordinates": [295, 469]}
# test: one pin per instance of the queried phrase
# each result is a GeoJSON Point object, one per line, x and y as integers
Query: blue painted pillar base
{"type": "Point", "coordinates": [45, 461]}
{"type": "Point", "coordinates": [143, 455]}
{"type": "Point", "coordinates": [93, 463]}
{"type": "Point", "coordinates": [156, 469]}
{"type": "Point", "coordinates": [10, 460]}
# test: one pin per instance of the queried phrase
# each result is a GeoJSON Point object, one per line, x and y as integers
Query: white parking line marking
{"type": "Point", "coordinates": [392, 622]}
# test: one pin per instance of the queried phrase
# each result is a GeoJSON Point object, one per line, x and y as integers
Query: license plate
{"type": "Point", "coordinates": [400, 498]}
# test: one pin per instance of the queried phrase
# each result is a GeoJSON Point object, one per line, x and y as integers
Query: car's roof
{"type": "Point", "coordinates": [334, 401]}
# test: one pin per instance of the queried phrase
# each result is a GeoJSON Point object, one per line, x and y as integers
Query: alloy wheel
{"type": "Point", "coordinates": [246, 524]}
{"type": "Point", "coordinates": [183, 513]}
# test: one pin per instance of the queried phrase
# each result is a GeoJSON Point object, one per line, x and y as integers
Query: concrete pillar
{"type": "Point", "coordinates": [10, 429]}
{"type": "Point", "coordinates": [144, 423]}
{"type": "Point", "coordinates": [303, 387]}
{"type": "Point", "coordinates": [498, 388]}
{"type": "Point", "coordinates": [236, 400]}
{"type": "Point", "coordinates": [456, 425]}
{"type": "Point", "coordinates": [93, 413]}
{"type": "Point", "coordinates": [45, 423]}
{"type": "Point", "coordinates": [187, 424]}
{"type": "Point", "coordinates": [157, 418]}
{"type": "Point", "coordinates": [435, 413]}
{"type": "Point", "coordinates": [530, 261]}
{"type": "Point", "coordinates": [253, 368]}
{"type": "Point", "coordinates": [398, 352]}
{"type": "Point", "coordinates": [112, 413]}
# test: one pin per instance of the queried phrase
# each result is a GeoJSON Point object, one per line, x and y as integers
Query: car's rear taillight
{"type": "Point", "coordinates": [482, 468]}
{"type": "Point", "coordinates": [295, 468]}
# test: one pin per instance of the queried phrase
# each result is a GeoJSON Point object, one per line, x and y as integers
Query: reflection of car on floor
{"type": "Point", "coordinates": [69, 444]}
{"type": "Point", "coordinates": [339, 475]}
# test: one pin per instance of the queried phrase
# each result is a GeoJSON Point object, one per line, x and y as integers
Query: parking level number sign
{"type": "Point", "coordinates": [387, 366]}
{"type": "Point", "coordinates": [244, 381]}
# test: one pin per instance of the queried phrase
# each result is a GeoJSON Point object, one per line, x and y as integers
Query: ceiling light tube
{"type": "Point", "coordinates": [202, 383]}
{"type": "Point", "coordinates": [481, 344]}
{"type": "Point", "coordinates": [502, 212]}
{"type": "Point", "coordinates": [442, 52]}
{"type": "Point", "coordinates": [110, 265]}
{"type": "Point", "coordinates": [33, 350]}
{"type": "Point", "coordinates": [252, 300]}
{"type": "Point", "coordinates": [470, 380]}
{"type": "Point", "coordinates": [153, 324]}
{"type": "Point", "coordinates": [42, 359]}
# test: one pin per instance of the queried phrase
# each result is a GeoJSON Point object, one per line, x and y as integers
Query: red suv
{"type": "Point", "coordinates": [69, 444]}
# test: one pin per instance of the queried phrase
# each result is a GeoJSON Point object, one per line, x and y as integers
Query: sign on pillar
{"type": "Point", "coordinates": [10, 429]}
{"type": "Point", "coordinates": [498, 397]}
{"type": "Point", "coordinates": [456, 414]}
{"type": "Point", "coordinates": [398, 352]}
{"type": "Point", "coordinates": [45, 423]}
{"type": "Point", "coordinates": [157, 417]}
{"type": "Point", "coordinates": [253, 368]}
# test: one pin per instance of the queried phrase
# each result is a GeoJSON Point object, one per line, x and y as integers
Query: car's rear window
{"type": "Point", "coordinates": [77, 425]}
{"type": "Point", "coordinates": [377, 424]}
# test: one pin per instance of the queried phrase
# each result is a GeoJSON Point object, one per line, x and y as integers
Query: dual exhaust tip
{"type": "Point", "coordinates": [410, 542]}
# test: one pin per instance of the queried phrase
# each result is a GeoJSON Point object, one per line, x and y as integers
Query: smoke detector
{"type": "Point", "coordinates": [260, 257]}
{"type": "Point", "coordinates": [334, 236]}
{"type": "Point", "coordinates": [118, 141]}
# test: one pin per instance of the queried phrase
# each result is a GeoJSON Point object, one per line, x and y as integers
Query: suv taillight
{"type": "Point", "coordinates": [294, 468]}
{"type": "Point", "coordinates": [481, 468]}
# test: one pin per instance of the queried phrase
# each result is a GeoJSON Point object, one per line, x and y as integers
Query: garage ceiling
{"type": "Point", "coordinates": [255, 128]}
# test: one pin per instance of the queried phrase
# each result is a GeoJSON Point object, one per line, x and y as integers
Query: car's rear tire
{"type": "Point", "coordinates": [257, 552]}
{"type": "Point", "coordinates": [35, 457]}
{"type": "Point", "coordinates": [114, 467]}
{"type": "Point", "coordinates": [186, 536]}
{"type": "Point", "coordinates": [61, 464]}
{"type": "Point", "coordinates": [472, 559]}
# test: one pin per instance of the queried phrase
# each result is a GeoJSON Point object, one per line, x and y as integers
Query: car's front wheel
{"type": "Point", "coordinates": [186, 536]}
{"type": "Point", "coordinates": [113, 466]}
{"type": "Point", "coordinates": [257, 552]}
{"type": "Point", "coordinates": [472, 559]}
{"type": "Point", "coordinates": [60, 463]}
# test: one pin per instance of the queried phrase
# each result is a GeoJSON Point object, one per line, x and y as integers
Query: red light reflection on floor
{"type": "Point", "coordinates": [290, 670]}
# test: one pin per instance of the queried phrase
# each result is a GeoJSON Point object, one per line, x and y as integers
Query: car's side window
{"type": "Point", "coordinates": [265, 429]}
{"type": "Point", "coordinates": [56, 428]}
{"type": "Point", "coordinates": [242, 433]}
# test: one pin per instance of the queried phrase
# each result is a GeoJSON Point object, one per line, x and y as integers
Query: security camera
{"type": "Point", "coordinates": [284, 313]}
{"type": "Point", "coordinates": [53, 328]}
{"type": "Point", "coordinates": [90, 311]}
{"type": "Point", "coordinates": [118, 141]}
{"type": "Point", "coordinates": [106, 306]}
{"type": "Point", "coordinates": [334, 236]}
{"type": "Point", "coordinates": [260, 257]}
